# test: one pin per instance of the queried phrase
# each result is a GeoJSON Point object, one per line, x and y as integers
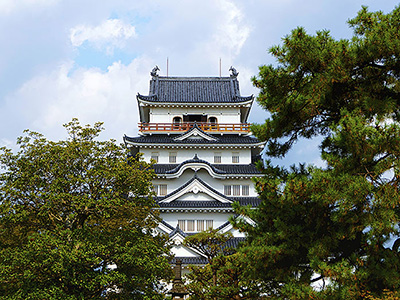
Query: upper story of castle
{"type": "Point", "coordinates": [175, 104]}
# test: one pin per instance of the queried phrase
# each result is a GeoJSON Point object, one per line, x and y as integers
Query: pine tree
{"type": "Point", "coordinates": [331, 226]}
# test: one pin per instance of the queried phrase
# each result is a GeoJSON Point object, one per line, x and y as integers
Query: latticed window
{"type": "Point", "coordinates": [181, 224]}
{"type": "Point", "coordinates": [235, 157]}
{"type": "Point", "coordinates": [227, 190]}
{"type": "Point", "coordinates": [236, 190]}
{"type": "Point", "coordinates": [190, 225]}
{"type": "Point", "coordinates": [154, 156]}
{"type": "Point", "coordinates": [200, 225]}
{"type": "Point", "coordinates": [172, 157]}
{"type": "Point", "coordinates": [160, 189]}
{"type": "Point", "coordinates": [217, 157]}
{"type": "Point", "coordinates": [209, 224]}
{"type": "Point", "coordinates": [245, 190]}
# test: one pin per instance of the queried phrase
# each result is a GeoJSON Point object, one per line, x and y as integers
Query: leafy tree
{"type": "Point", "coordinates": [223, 277]}
{"type": "Point", "coordinates": [76, 221]}
{"type": "Point", "coordinates": [331, 226]}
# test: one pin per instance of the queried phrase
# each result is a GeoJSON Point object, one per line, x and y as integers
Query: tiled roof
{"type": "Point", "coordinates": [186, 184]}
{"type": "Point", "coordinates": [232, 243]}
{"type": "Point", "coordinates": [177, 230]}
{"type": "Point", "coordinates": [217, 168]}
{"type": "Point", "coordinates": [194, 90]}
{"type": "Point", "coordinates": [190, 260]}
{"type": "Point", "coordinates": [167, 225]}
{"type": "Point", "coordinates": [223, 225]}
{"type": "Point", "coordinates": [195, 128]}
{"type": "Point", "coordinates": [170, 139]}
{"type": "Point", "coordinates": [252, 201]}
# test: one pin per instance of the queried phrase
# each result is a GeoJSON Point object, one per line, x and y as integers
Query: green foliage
{"type": "Point", "coordinates": [224, 276]}
{"type": "Point", "coordinates": [210, 243]}
{"type": "Point", "coordinates": [333, 225]}
{"type": "Point", "coordinates": [317, 77]}
{"type": "Point", "coordinates": [76, 220]}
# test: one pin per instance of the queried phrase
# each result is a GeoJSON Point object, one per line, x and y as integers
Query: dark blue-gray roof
{"type": "Point", "coordinates": [232, 243]}
{"type": "Point", "coordinates": [237, 169]}
{"type": "Point", "coordinates": [170, 139]}
{"type": "Point", "coordinates": [252, 201]}
{"type": "Point", "coordinates": [194, 90]}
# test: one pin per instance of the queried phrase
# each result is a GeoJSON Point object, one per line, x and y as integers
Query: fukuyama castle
{"type": "Point", "coordinates": [196, 131]}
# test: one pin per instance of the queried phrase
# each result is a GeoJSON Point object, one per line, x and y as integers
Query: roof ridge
{"type": "Point", "coordinates": [195, 127]}
{"type": "Point", "coordinates": [197, 160]}
{"type": "Point", "coordinates": [196, 78]}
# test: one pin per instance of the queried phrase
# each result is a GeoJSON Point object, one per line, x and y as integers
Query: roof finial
{"type": "Point", "coordinates": [154, 71]}
{"type": "Point", "coordinates": [234, 72]}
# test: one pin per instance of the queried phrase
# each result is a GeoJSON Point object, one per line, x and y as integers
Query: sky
{"type": "Point", "coordinates": [61, 59]}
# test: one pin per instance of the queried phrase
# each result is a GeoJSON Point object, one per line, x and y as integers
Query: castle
{"type": "Point", "coordinates": [196, 131]}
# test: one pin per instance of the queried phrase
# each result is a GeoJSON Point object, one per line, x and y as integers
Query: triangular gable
{"type": "Point", "coordinates": [196, 185]}
{"type": "Point", "coordinates": [195, 133]}
{"type": "Point", "coordinates": [177, 237]}
{"type": "Point", "coordinates": [183, 251]}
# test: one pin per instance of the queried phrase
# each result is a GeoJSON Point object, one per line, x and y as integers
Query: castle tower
{"type": "Point", "coordinates": [196, 130]}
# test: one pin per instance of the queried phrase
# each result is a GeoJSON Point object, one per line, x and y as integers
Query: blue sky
{"type": "Point", "coordinates": [61, 59]}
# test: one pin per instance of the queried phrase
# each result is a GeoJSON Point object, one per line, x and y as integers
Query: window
{"type": "Point", "coordinates": [160, 189]}
{"type": "Point", "coordinates": [163, 189]}
{"type": "Point", "coordinates": [212, 120]}
{"type": "Point", "coordinates": [190, 225]}
{"type": "Point", "coordinates": [177, 120]}
{"type": "Point", "coordinates": [181, 224]}
{"type": "Point", "coordinates": [200, 225]}
{"type": "Point", "coordinates": [154, 156]}
{"type": "Point", "coordinates": [217, 157]}
{"type": "Point", "coordinates": [245, 190]}
{"type": "Point", "coordinates": [172, 157]}
{"type": "Point", "coordinates": [235, 157]}
{"type": "Point", "coordinates": [209, 224]}
{"type": "Point", "coordinates": [236, 190]}
{"type": "Point", "coordinates": [227, 190]}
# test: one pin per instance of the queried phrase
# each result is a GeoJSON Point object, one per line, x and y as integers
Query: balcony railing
{"type": "Point", "coordinates": [184, 126]}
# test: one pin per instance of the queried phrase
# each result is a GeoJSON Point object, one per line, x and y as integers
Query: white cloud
{"type": "Point", "coordinates": [8, 6]}
{"type": "Point", "coordinates": [111, 33]}
{"type": "Point", "coordinates": [46, 102]}
{"type": "Point", "coordinates": [232, 32]}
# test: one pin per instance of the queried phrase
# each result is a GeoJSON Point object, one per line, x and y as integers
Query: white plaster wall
{"type": "Point", "coordinates": [217, 184]}
{"type": "Point", "coordinates": [181, 251]}
{"type": "Point", "coordinates": [166, 114]}
{"type": "Point", "coordinates": [218, 218]}
{"type": "Point", "coordinates": [195, 197]}
{"type": "Point", "coordinates": [237, 233]}
{"type": "Point", "coordinates": [204, 154]}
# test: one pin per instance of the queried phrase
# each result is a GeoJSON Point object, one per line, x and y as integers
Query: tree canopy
{"type": "Point", "coordinates": [327, 233]}
{"type": "Point", "coordinates": [76, 220]}
{"type": "Point", "coordinates": [224, 276]}
{"type": "Point", "coordinates": [318, 78]}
